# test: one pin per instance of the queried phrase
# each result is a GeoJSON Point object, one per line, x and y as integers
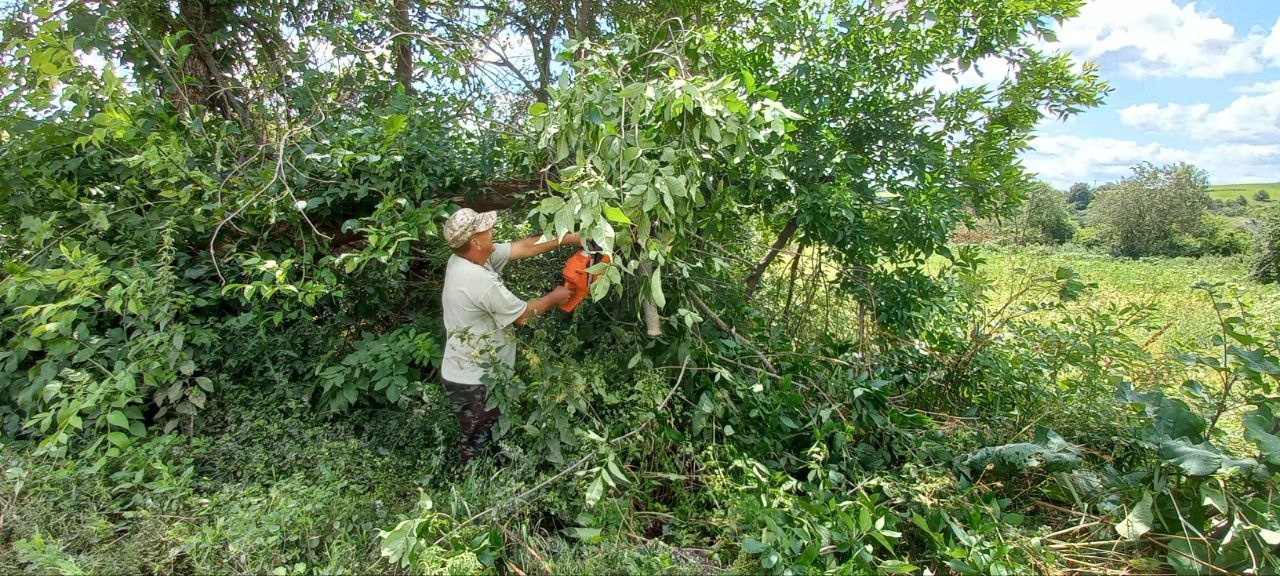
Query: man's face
{"type": "Point", "coordinates": [483, 243]}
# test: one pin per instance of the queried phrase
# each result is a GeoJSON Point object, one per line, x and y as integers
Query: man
{"type": "Point", "coordinates": [478, 314]}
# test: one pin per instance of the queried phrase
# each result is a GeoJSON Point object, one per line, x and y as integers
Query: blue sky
{"type": "Point", "coordinates": [1196, 82]}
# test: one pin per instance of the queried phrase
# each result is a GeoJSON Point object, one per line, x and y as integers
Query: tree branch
{"type": "Point", "coordinates": [753, 279]}
{"type": "Point", "coordinates": [715, 318]}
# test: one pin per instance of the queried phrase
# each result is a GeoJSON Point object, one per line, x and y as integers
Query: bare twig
{"type": "Point", "coordinates": [1192, 557]}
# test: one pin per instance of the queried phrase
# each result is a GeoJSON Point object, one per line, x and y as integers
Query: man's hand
{"type": "Point", "coordinates": [530, 246]}
{"type": "Point", "coordinates": [558, 295]}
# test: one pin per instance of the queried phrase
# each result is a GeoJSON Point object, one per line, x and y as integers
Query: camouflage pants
{"type": "Point", "coordinates": [474, 421]}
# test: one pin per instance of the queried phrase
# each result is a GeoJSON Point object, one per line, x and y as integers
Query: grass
{"type": "Point", "coordinates": [1165, 283]}
{"type": "Point", "coordinates": [1228, 192]}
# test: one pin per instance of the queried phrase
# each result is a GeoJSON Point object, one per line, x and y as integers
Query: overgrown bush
{"type": "Point", "coordinates": [1045, 217]}
{"type": "Point", "coordinates": [1219, 237]}
{"type": "Point", "coordinates": [1266, 263]}
{"type": "Point", "coordinates": [222, 274]}
{"type": "Point", "coordinates": [1156, 211]}
{"type": "Point", "coordinates": [1080, 195]}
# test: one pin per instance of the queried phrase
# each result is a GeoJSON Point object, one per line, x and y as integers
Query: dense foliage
{"type": "Point", "coordinates": [1045, 217]}
{"type": "Point", "coordinates": [1266, 266]}
{"type": "Point", "coordinates": [1155, 212]}
{"type": "Point", "coordinates": [219, 223]}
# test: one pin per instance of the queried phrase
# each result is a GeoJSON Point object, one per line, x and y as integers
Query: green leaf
{"type": "Point", "coordinates": [1257, 429]}
{"type": "Point", "coordinates": [1255, 360]}
{"type": "Point", "coordinates": [748, 81]}
{"type": "Point", "coordinates": [595, 491]}
{"type": "Point", "coordinates": [962, 567]}
{"type": "Point", "coordinates": [1050, 453]}
{"type": "Point", "coordinates": [615, 215]}
{"type": "Point", "coordinates": [599, 289]}
{"type": "Point", "coordinates": [1139, 520]}
{"type": "Point", "coordinates": [897, 567]}
{"type": "Point", "coordinates": [119, 439]}
{"type": "Point", "coordinates": [174, 392]}
{"type": "Point", "coordinates": [117, 418]}
{"type": "Point", "coordinates": [655, 289]}
{"type": "Point", "coordinates": [537, 108]}
{"type": "Point", "coordinates": [1184, 556]}
{"type": "Point", "coordinates": [551, 205]}
{"type": "Point", "coordinates": [1171, 418]}
{"type": "Point", "coordinates": [753, 546]}
{"type": "Point", "coordinates": [633, 90]}
{"type": "Point", "coordinates": [399, 544]}
{"type": "Point", "coordinates": [1194, 459]}
{"type": "Point", "coordinates": [615, 472]}
{"type": "Point", "coordinates": [564, 220]}
{"type": "Point", "coordinates": [196, 397]}
{"type": "Point", "coordinates": [583, 533]}
{"type": "Point", "coordinates": [1213, 497]}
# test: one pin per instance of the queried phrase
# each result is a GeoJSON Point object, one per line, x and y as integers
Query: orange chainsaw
{"type": "Point", "coordinates": [576, 277]}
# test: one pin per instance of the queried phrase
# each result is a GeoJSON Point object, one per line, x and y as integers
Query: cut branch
{"type": "Point", "coordinates": [652, 322]}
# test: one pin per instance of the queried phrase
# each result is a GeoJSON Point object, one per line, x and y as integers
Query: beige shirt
{"type": "Point", "coordinates": [478, 313]}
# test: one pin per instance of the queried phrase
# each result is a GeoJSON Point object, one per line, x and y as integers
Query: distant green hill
{"type": "Point", "coordinates": [1233, 191]}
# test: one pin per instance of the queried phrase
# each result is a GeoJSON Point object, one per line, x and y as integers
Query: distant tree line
{"type": "Point", "coordinates": [1157, 211]}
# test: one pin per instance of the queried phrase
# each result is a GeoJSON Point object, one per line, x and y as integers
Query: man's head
{"type": "Point", "coordinates": [470, 233]}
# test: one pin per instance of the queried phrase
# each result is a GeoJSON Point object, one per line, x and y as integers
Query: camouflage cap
{"type": "Point", "coordinates": [466, 223]}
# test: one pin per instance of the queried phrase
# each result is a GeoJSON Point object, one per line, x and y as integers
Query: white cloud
{"type": "Point", "coordinates": [1271, 48]}
{"type": "Point", "coordinates": [1250, 119]}
{"type": "Point", "coordinates": [1159, 38]}
{"type": "Point", "coordinates": [1253, 118]}
{"type": "Point", "coordinates": [1258, 88]}
{"type": "Point", "coordinates": [1166, 118]}
{"type": "Point", "coordinates": [1064, 160]}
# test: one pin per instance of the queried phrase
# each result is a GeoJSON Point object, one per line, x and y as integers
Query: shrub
{"type": "Point", "coordinates": [1080, 195]}
{"type": "Point", "coordinates": [1154, 212]}
{"type": "Point", "coordinates": [1219, 237]}
{"type": "Point", "coordinates": [1266, 264]}
{"type": "Point", "coordinates": [1262, 196]}
{"type": "Point", "coordinates": [1045, 217]}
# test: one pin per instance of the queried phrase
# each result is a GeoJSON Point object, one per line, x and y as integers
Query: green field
{"type": "Point", "coordinates": [1165, 283]}
{"type": "Point", "coordinates": [1227, 192]}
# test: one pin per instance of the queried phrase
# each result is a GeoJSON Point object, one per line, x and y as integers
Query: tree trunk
{"type": "Point", "coordinates": [585, 22]}
{"type": "Point", "coordinates": [199, 18]}
{"type": "Point", "coordinates": [753, 279]}
{"type": "Point", "coordinates": [403, 46]}
{"type": "Point", "coordinates": [499, 195]}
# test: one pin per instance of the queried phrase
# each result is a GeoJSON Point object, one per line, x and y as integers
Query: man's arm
{"type": "Point", "coordinates": [529, 247]}
{"type": "Point", "coordinates": [539, 306]}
